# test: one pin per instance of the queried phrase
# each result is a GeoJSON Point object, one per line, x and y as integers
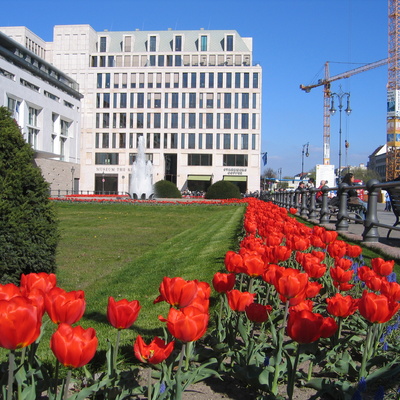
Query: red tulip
{"type": "Point", "coordinates": [337, 249]}
{"type": "Point", "coordinates": [187, 324]}
{"type": "Point", "coordinates": [353, 250]}
{"type": "Point", "coordinates": [253, 265]}
{"type": "Point", "coordinates": [345, 286]}
{"type": "Point", "coordinates": [223, 282]}
{"type": "Point", "coordinates": [382, 267]}
{"type": "Point", "coordinates": [8, 291]}
{"type": "Point", "coordinates": [202, 299]}
{"type": "Point", "coordinates": [377, 308]}
{"type": "Point", "coordinates": [343, 263]}
{"type": "Point", "coordinates": [20, 323]}
{"type": "Point", "coordinates": [155, 352]}
{"type": "Point", "coordinates": [62, 306]}
{"type": "Point", "coordinates": [233, 262]}
{"type": "Point", "coordinates": [280, 253]}
{"type": "Point", "coordinates": [43, 281]}
{"type": "Point", "coordinates": [123, 313]}
{"type": "Point", "coordinates": [391, 290]}
{"type": "Point", "coordinates": [371, 278]}
{"type": "Point", "coordinates": [238, 300]}
{"type": "Point", "coordinates": [307, 327]}
{"type": "Point", "coordinates": [292, 210]}
{"type": "Point", "coordinates": [257, 312]}
{"type": "Point", "coordinates": [340, 275]}
{"type": "Point", "coordinates": [341, 306]}
{"type": "Point", "coordinates": [73, 346]}
{"type": "Point", "coordinates": [177, 291]}
{"type": "Point", "coordinates": [291, 283]}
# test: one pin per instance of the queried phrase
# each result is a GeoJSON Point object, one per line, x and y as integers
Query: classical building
{"type": "Point", "coordinates": [45, 102]}
{"type": "Point", "coordinates": [193, 96]}
{"type": "Point", "coordinates": [377, 161]}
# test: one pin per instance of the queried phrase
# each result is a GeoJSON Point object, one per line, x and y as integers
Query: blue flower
{"type": "Point", "coordinates": [162, 387]}
{"type": "Point", "coordinates": [362, 385]}
{"type": "Point", "coordinates": [266, 361]}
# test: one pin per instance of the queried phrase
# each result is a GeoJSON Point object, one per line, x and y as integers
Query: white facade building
{"type": "Point", "coordinates": [195, 97]}
{"type": "Point", "coordinates": [45, 103]}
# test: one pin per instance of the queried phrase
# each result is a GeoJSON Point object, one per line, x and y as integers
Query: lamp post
{"type": "Point", "coordinates": [340, 95]}
{"type": "Point", "coordinates": [304, 151]}
{"type": "Point", "coordinates": [102, 182]}
{"type": "Point", "coordinates": [280, 176]}
{"type": "Point", "coordinates": [72, 179]}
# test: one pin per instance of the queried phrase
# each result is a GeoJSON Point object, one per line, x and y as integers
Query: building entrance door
{"type": "Point", "coordinates": [171, 167]}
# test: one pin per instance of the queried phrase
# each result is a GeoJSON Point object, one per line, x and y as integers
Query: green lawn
{"type": "Point", "coordinates": [124, 251]}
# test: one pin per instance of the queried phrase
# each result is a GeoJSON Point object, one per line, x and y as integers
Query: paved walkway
{"type": "Point", "coordinates": [389, 247]}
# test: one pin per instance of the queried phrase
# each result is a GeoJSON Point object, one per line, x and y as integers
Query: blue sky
{"type": "Point", "coordinates": [292, 39]}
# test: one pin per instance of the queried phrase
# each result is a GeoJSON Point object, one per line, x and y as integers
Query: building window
{"type": "Point", "coordinates": [140, 120]}
{"type": "Point", "coordinates": [157, 140]}
{"type": "Point", "coordinates": [202, 80]}
{"type": "Point", "coordinates": [245, 141]}
{"type": "Point", "coordinates": [246, 80]}
{"type": "Point", "coordinates": [209, 121]}
{"type": "Point", "coordinates": [174, 120]}
{"type": "Point", "coordinates": [103, 44]}
{"type": "Point", "coordinates": [99, 80]}
{"type": "Point", "coordinates": [200, 159]}
{"type": "Point", "coordinates": [192, 100]}
{"type": "Point", "coordinates": [209, 141]}
{"type": "Point", "coordinates": [128, 44]}
{"type": "Point", "coordinates": [192, 141]}
{"type": "Point", "coordinates": [157, 120]}
{"type": "Point", "coordinates": [193, 80]}
{"type": "Point", "coordinates": [245, 100]}
{"type": "Point", "coordinates": [203, 43]}
{"type": "Point", "coordinates": [153, 43]}
{"type": "Point", "coordinates": [229, 43]}
{"type": "Point", "coordinates": [255, 80]}
{"type": "Point", "coordinates": [227, 100]}
{"type": "Point", "coordinates": [237, 80]}
{"type": "Point", "coordinates": [33, 116]}
{"type": "Point", "coordinates": [245, 121]}
{"type": "Point", "coordinates": [227, 121]}
{"type": "Point", "coordinates": [106, 158]}
{"type": "Point", "coordinates": [105, 143]}
{"type": "Point", "coordinates": [122, 103]}
{"type": "Point", "coordinates": [174, 140]}
{"type": "Point", "coordinates": [220, 79]}
{"type": "Point", "coordinates": [211, 80]}
{"type": "Point", "coordinates": [140, 100]}
{"type": "Point", "coordinates": [227, 141]}
{"type": "Point", "coordinates": [192, 121]}
{"type": "Point", "coordinates": [185, 80]}
{"type": "Point", "coordinates": [210, 100]}
{"type": "Point", "coordinates": [178, 43]}
{"type": "Point", "coordinates": [32, 137]}
{"type": "Point", "coordinates": [175, 100]}
{"type": "Point", "coordinates": [229, 80]}
{"type": "Point", "coordinates": [64, 125]}
{"type": "Point", "coordinates": [106, 120]}
{"type": "Point", "coordinates": [235, 160]}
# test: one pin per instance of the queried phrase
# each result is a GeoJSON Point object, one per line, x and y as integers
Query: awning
{"type": "Point", "coordinates": [238, 178]}
{"type": "Point", "coordinates": [199, 177]}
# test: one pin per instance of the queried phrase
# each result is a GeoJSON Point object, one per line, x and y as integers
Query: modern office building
{"type": "Point", "coordinates": [45, 102]}
{"type": "Point", "coordinates": [193, 96]}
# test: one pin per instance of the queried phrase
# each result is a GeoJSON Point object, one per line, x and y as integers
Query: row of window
{"type": "Point", "coordinates": [173, 121]}
{"type": "Point", "coordinates": [198, 141]}
{"type": "Point", "coordinates": [152, 44]}
{"type": "Point", "coordinates": [183, 80]}
{"type": "Point", "coordinates": [178, 100]}
{"type": "Point", "coordinates": [229, 160]}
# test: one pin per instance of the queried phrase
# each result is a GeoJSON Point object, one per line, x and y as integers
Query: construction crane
{"type": "Point", "coordinates": [393, 94]}
{"type": "Point", "coordinates": [326, 83]}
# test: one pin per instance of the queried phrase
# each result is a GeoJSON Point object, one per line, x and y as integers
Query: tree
{"type": "Point", "coordinates": [364, 174]}
{"type": "Point", "coordinates": [269, 173]}
{"type": "Point", "coordinates": [28, 226]}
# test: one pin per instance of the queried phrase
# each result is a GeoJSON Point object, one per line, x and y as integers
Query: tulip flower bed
{"type": "Point", "coordinates": [296, 308]}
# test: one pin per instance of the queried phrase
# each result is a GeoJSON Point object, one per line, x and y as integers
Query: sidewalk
{"type": "Point", "coordinates": [389, 247]}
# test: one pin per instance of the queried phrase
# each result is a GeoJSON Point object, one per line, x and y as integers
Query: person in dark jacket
{"type": "Point", "coordinates": [352, 195]}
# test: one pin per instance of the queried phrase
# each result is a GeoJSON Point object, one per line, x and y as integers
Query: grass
{"type": "Point", "coordinates": [124, 251]}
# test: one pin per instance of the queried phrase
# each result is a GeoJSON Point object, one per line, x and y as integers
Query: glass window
{"type": "Point", "coordinates": [245, 141]}
{"type": "Point", "coordinates": [157, 100]}
{"type": "Point", "coordinates": [140, 100]}
{"type": "Point", "coordinates": [122, 140]}
{"type": "Point", "coordinates": [192, 100]}
{"type": "Point", "coordinates": [140, 120]}
{"type": "Point", "coordinates": [210, 100]}
{"type": "Point", "coordinates": [99, 80]}
{"type": "Point", "coordinates": [133, 80]}
{"type": "Point", "coordinates": [229, 79]}
{"type": "Point", "coordinates": [201, 121]}
{"type": "Point", "coordinates": [200, 141]}
{"type": "Point", "coordinates": [254, 121]}
{"type": "Point", "coordinates": [235, 160]}
{"type": "Point", "coordinates": [192, 121]}
{"type": "Point", "coordinates": [160, 61]}
{"type": "Point", "coordinates": [123, 100]}
{"type": "Point", "coordinates": [122, 120]}
{"type": "Point", "coordinates": [227, 121]}
{"type": "Point", "coordinates": [254, 100]}
{"type": "Point", "coordinates": [157, 141]}
{"type": "Point", "coordinates": [245, 100]}
{"type": "Point", "coordinates": [153, 43]}
{"type": "Point", "coordinates": [175, 100]}
{"type": "Point", "coordinates": [148, 125]}
{"type": "Point", "coordinates": [174, 140]}
{"type": "Point", "coordinates": [166, 100]}
{"type": "Point", "coordinates": [246, 80]}
{"type": "Point", "coordinates": [209, 121]}
{"type": "Point", "coordinates": [157, 120]}
{"type": "Point", "coordinates": [253, 142]}
{"type": "Point", "coordinates": [183, 100]}
{"type": "Point", "coordinates": [176, 80]}
{"type": "Point", "coordinates": [169, 61]}
{"type": "Point", "coordinates": [103, 44]}
{"type": "Point", "coordinates": [202, 80]}
{"type": "Point", "coordinates": [106, 100]}
{"type": "Point", "coordinates": [227, 100]}
{"type": "Point", "coordinates": [229, 43]}
{"type": "Point", "coordinates": [209, 141]}
{"type": "Point", "coordinates": [185, 80]}
{"type": "Point", "coordinates": [178, 61]}
{"type": "Point", "coordinates": [131, 96]}
{"type": "Point", "coordinates": [245, 121]}
{"type": "Point", "coordinates": [193, 80]}
{"type": "Point", "coordinates": [255, 80]}
{"type": "Point", "coordinates": [192, 143]}
{"type": "Point", "coordinates": [211, 80]}
{"type": "Point", "coordinates": [217, 145]}
{"type": "Point", "coordinates": [236, 100]}
{"type": "Point", "coordinates": [237, 80]}
{"type": "Point", "coordinates": [174, 120]}
{"type": "Point", "coordinates": [178, 43]}
{"type": "Point", "coordinates": [220, 82]}
{"type": "Point", "coordinates": [97, 141]}
{"type": "Point", "coordinates": [106, 158]}
{"type": "Point", "coordinates": [235, 141]}
{"type": "Point", "coordinates": [203, 43]}
{"type": "Point", "coordinates": [227, 141]}
{"type": "Point", "coordinates": [105, 141]}
{"type": "Point", "coordinates": [182, 140]}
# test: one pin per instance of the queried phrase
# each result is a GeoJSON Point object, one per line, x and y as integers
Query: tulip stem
{"type": "Point", "coordinates": [149, 385]}
{"type": "Point", "coordinates": [178, 379]}
{"type": "Point", "coordinates": [115, 355]}
{"type": "Point", "coordinates": [292, 377]}
{"type": "Point", "coordinates": [56, 378]}
{"type": "Point", "coordinates": [278, 356]}
{"type": "Point", "coordinates": [363, 370]}
{"type": "Point", "coordinates": [11, 366]}
{"type": "Point", "coordinates": [66, 385]}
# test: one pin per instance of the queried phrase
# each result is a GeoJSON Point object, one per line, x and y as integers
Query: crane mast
{"type": "Point", "coordinates": [326, 83]}
{"type": "Point", "coordinates": [393, 110]}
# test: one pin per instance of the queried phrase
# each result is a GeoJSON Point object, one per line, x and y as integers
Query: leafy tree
{"type": "Point", "coordinates": [269, 173]}
{"type": "Point", "coordinates": [28, 226]}
{"type": "Point", "coordinates": [364, 174]}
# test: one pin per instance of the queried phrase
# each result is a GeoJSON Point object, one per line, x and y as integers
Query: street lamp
{"type": "Point", "coordinates": [305, 150]}
{"type": "Point", "coordinates": [340, 95]}
{"type": "Point", "coordinates": [280, 176]}
{"type": "Point", "coordinates": [72, 179]}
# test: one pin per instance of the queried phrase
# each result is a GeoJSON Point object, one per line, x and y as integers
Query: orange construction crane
{"type": "Point", "coordinates": [393, 110]}
{"type": "Point", "coordinates": [326, 83]}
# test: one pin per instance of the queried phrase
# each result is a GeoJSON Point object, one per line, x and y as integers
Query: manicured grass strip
{"type": "Point", "coordinates": [124, 251]}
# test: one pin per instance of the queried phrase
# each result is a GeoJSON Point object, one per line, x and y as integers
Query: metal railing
{"type": "Point", "coordinates": [305, 201]}
{"type": "Point", "coordinates": [63, 193]}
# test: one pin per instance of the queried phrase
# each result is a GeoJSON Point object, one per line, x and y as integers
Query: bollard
{"type": "Point", "coordinates": [324, 214]}
{"type": "Point", "coordinates": [342, 223]}
{"type": "Point", "coordinates": [313, 210]}
{"type": "Point", "coordinates": [303, 210]}
{"type": "Point", "coordinates": [370, 233]}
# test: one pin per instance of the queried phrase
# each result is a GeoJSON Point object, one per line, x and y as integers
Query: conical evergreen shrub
{"type": "Point", "coordinates": [28, 225]}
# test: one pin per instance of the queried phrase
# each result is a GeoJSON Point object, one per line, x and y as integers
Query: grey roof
{"type": "Point", "coordinates": [190, 40]}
